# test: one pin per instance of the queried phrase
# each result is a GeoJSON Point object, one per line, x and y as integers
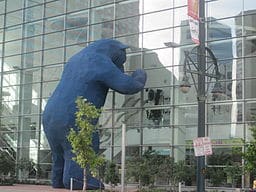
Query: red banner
{"type": "Point", "coordinates": [193, 9]}
{"type": "Point", "coordinates": [193, 14]}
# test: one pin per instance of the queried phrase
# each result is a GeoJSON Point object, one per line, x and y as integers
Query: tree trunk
{"type": "Point", "coordinates": [85, 180]}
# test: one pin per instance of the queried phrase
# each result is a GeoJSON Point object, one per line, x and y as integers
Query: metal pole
{"type": "Point", "coordinates": [71, 184]}
{"type": "Point", "coordinates": [123, 157]}
{"type": "Point", "coordinates": [201, 95]}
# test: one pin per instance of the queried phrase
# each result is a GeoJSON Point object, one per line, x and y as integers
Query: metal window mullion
{"type": "Point", "coordinates": [173, 91]}
{"type": "Point", "coordinates": [142, 95]}
{"type": "Point", "coordinates": [41, 96]}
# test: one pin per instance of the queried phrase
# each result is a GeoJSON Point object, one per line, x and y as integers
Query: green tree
{"type": "Point", "coordinates": [81, 139]}
{"type": "Point", "coordinates": [152, 165]}
{"type": "Point", "coordinates": [7, 164]}
{"type": "Point", "coordinates": [112, 175]}
{"type": "Point", "coordinates": [250, 152]}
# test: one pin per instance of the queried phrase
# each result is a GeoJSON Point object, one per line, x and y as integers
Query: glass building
{"type": "Point", "coordinates": [37, 37]}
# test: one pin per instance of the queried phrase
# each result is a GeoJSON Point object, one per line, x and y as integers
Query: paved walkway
{"type": "Point", "coordinates": [30, 188]}
{"type": "Point", "coordinates": [46, 188]}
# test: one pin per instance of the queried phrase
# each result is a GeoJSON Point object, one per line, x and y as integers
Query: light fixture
{"type": "Point", "coordinates": [185, 85]}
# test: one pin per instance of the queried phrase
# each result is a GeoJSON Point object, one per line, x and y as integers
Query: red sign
{"type": "Point", "coordinates": [193, 9]}
{"type": "Point", "coordinates": [202, 146]}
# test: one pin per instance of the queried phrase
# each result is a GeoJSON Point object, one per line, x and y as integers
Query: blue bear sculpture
{"type": "Point", "coordinates": [89, 73]}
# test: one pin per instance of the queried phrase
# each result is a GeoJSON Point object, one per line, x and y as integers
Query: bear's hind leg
{"type": "Point", "coordinates": [57, 170]}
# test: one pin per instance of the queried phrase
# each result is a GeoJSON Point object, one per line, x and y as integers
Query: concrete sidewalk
{"type": "Point", "coordinates": [30, 188]}
{"type": "Point", "coordinates": [47, 188]}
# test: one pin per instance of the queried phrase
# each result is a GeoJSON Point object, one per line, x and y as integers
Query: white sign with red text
{"type": "Point", "coordinates": [202, 146]}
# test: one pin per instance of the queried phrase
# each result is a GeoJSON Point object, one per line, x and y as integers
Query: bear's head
{"type": "Point", "coordinates": [113, 49]}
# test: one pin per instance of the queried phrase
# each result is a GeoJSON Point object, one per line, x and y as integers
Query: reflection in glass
{"type": "Point", "coordinates": [52, 73]}
{"type": "Point", "coordinates": [123, 8]}
{"type": "Point", "coordinates": [76, 5]}
{"type": "Point", "coordinates": [152, 5]}
{"type": "Point", "coordinates": [249, 5]}
{"type": "Point", "coordinates": [34, 13]}
{"type": "Point", "coordinates": [53, 56]}
{"type": "Point", "coordinates": [54, 8]}
{"type": "Point", "coordinates": [13, 48]}
{"type": "Point", "coordinates": [222, 8]}
{"type": "Point", "coordinates": [54, 40]}
{"type": "Point", "coordinates": [13, 33]}
{"type": "Point", "coordinates": [14, 18]}
{"type": "Point", "coordinates": [158, 20]}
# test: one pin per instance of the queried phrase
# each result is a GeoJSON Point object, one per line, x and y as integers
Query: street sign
{"type": "Point", "coordinates": [202, 146]}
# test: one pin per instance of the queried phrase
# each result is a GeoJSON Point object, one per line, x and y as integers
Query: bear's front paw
{"type": "Point", "coordinates": [140, 75]}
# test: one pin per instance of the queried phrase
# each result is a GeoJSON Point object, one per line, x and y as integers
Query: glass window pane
{"type": "Point", "coordinates": [33, 29]}
{"type": "Point", "coordinates": [224, 112]}
{"type": "Point", "coordinates": [180, 16]}
{"type": "Point", "coordinates": [159, 20]}
{"type": "Point", "coordinates": [125, 26]}
{"type": "Point", "coordinates": [13, 48]}
{"type": "Point", "coordinates": [128, 8]}
{"type": "Point", "coordinates": [34, 13]}
{"type": "Point", "coordinates": [102, 14]}
{"type": "Point", "coordinates": [152, 5]}
{"type": "Point", "coordinates": [1, 21]}
{"type": "Point", "coordinates": [11, 93]}
{"type": "Point", "coordinates": [54, 24]}
{"type": "Point", "coordinates": [11, 63]}
{"type": "Point", "coordinates": [133, 41]}
{"type": "Point", "coordinates": [14, 5]}
{"type": "Point", "coordinates": [54, 8]}
{"type": "Point", "coordinates": [156, 135]}
{"type": "Point", "coordinates": [9, 123]}
{"type": "Point", "coordinates": [33, 59]}
{"type": "Point", "coordinates": [221, 29]}
{"type": "Point", "coordinates": [250, 91]}
{"type": "Point", "coordinates": [249, 67]}
{"type": "Point", "coordinates": [54, 40]}
{"type": "Point", "coordinates": [149, 39]}
{"type": "Point", "coordinates": [52, 72]}
{"type": "Point", "coordinates": [2, 7]}
{"type": "Point", "coordinates": [10, 109]}
{"type": "Point", "coordinates": [222, 8]}
{"type": "Point", "coordinates": [250, 111]}
{"type": "Point", "coordinates": [75, 5]}
{"type": "Point", "coordinates": [249, 5]}
{"type": "Point", "coordinates": [178, 3]}
{"type": "Point", "coordinates": [76, 20]}
{"type": "Point", "coordinates": [53, 56]}
{"type": "Point", "coordinates": [32, 44]}
{"type": "Point", "coordinates": [48, 88]}
{"type": "Point", "coordinates": [71, 50]}
{"type": "Point", "coordinates": [14, 18]}
{"type": "Point", "coordinates": [101, 2]}
{"type": "Point", "coordinates": [12, 33]}
{"type": "Point", "coordinates": [31, 76]}
{"type": "Point", "coordinates": [76, 36]}
{"type": "Point", "coordinates": [186, 115]}
{"type": "Point", "coordinates": [11, 78]}
{"type": "Point", "coordinates": [101, 30]}
{"type": "Point", "coordinates": [123, 101]}
{"type": "Point", "coordinates": [223, 132]}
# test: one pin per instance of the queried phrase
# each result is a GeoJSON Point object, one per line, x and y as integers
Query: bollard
{"type": "Point", "coordinates": [71, 184]}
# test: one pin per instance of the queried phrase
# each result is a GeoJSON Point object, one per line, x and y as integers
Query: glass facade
{"type": "Point", "coordinates": [37, 37]}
